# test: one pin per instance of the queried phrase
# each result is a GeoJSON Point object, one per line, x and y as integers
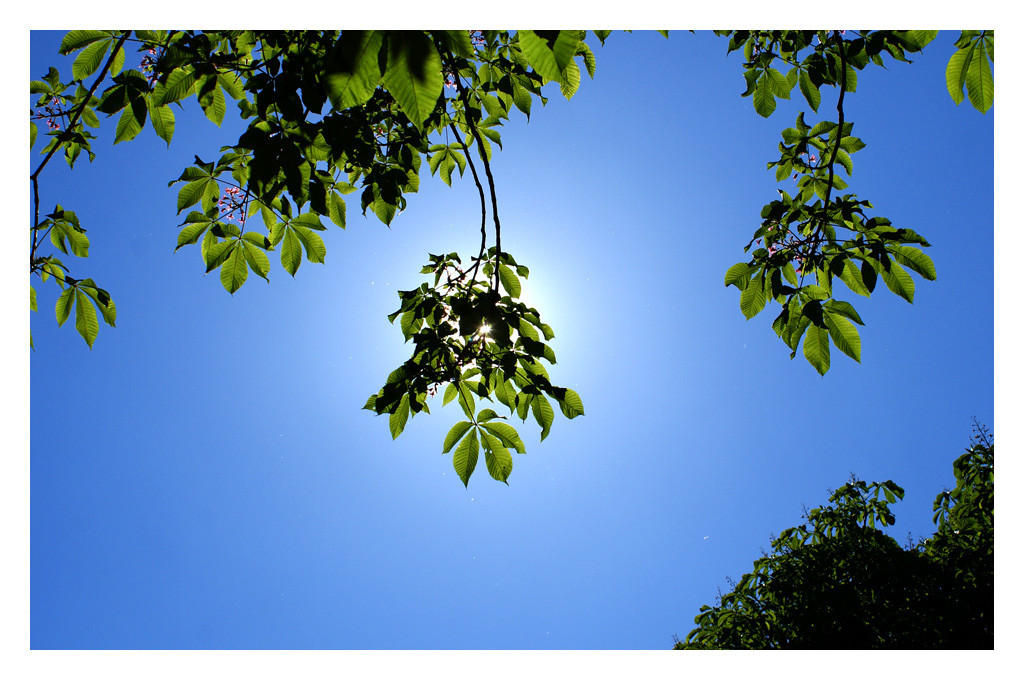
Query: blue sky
{"type": "Point", "coordinates": [204, 478]}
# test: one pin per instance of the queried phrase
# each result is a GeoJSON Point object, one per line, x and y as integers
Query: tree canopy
{"type": "Point", "coordinates": [838, 581]}
{"type": "Point", "coordinates": [334, 115]}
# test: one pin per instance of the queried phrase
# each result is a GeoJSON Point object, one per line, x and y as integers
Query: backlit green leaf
{"type": "Point", "coordinates": [509, 280]}
{"type": "Point", "coordinates": [64, 304]}
{"type": "Point", "coordinates": [753, 298]}
{"type": "Point", "coordinates": [549, 52]}
{"type": "Point", "coordinates": [571, 404]}
{"type": "Point", "coordinates": [413, 74]}
{"type": "Point", "coordinates": [956, 73]}
{"type": "Point", "coordinates": [979, 81]}
{"type": "Point", "coordinates": [291, 252]}
{"type": "Point", "coordinates": [899, 281]}
{"type": "Point", "coordinates": [816, 348]}
{"type": "Point", "coordinates": [465, 457]}
{"type": "Point", "coordinates": [543, 414]}
{"type": "Point", "coordinates": [234, 271]}
{"type": "Point", "coordinates": [85, 318]}
{"type": "Point", "coordinates": [455, 434]}
{"type": "Point", "coordinates": [352, 68]}
{"type": "Point", "coordinates": [398, 419]}
{"type": "Point", "coordinates": [497, 458]}
{"type": "Point", "coordinates": [844, 334]}
{"type": "Point", "coordinates": [507, 434]}
{"type": "Point", "coordinates": [915, 259]}
{"type": "Point", "coordinates": [764, 97]}
{"type": "Point", "coordinates": [163, 122]}
{"type": "Point", "coordinates": [89, 60]}
{"type": "Point", "coordinates": [76, 40]}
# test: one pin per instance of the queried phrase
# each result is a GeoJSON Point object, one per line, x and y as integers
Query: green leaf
{"type": "Point", "coordinates": [571, 404]}
{"type": "Point", "coordinates": [89, 60]}
{"type": "Point", "coordinates": [510, 281]}
{"type": "Point", "coordinates": [753, 298]}
{"type": "Point", "coordinates": [980, 88]}
{"type": "Point", "coordinates": [571, 80]}
{"type": "Point", "coordinates": [316, 251]}
{"type": "Point", "coordinates": [192, 193]}
{"type": "Point", "coordinates": [85, 318]}
{"type": "Point", "coordinates": [336, 209]}
{"type": "Point", "coordinates": [103, 303]}
{"type": "Point", "coordinates": [845, 309]}
{"type": "Point", "coordinates": [764, 97]}
{"type": "Point", "coordinates": [913, 258]}
{"type": "Point", "coordinates": [76, 40]}
{"type": "Point", "coordinates": [549, 52]}
{"type": "Point", "coordinates": [234, 271]}
{"type": "Point", "coordinates": [32, 299]}
{"type": "Point", "coordinates": [956, 73]}
{"type": "Point", "coordinates": [543, 414]}
{"type": "Point", "coordinates": [413, 74]}
{"type": "Point", "coordinates": [352, 68]}
{"type": "Point", "coordinates": [816, 348]}
{"type": "Point", "coordinates": [507, 434]}
{"type": "Point", "coordinates": [810, 91]}
{"type": "Point", "coordinates": [738, 275]}
{"type": "Point", "coordinates": [455, 434]}
{"type": "Point", "coordinates": [163, 121]}
{"type": "Point", "coordinates": [398, 419]}
{"type": "Point", "coordinates": [465, 457]}
{"type": "Point", "coordinates": [213, 103]}
{"type": "Point", "coordinates": [64, 304]}
{"type": "Point", "coordinates": [844, 334]}
{"type": "Point", "coordinates": [779, 83]}
{"type": "Point", "coordinates": [466, 400]}
{"type": "Point", "coordinates": [898, 281]}
{"type": "Point", "coordinates": [291, 252]}
{"type": "Point", "coordinates": [497, 458]}
{"type": "Point", "coordinates": [131, 122]}
{"type": "Point", "coordinates": [851, 276]}
{"type": "Point", "coordinates": [256, 259]}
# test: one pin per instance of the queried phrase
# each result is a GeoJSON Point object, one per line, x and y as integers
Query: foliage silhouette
{"type": "Point", "coordinates": [838, 582]}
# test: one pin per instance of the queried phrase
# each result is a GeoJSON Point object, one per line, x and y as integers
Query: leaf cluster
{"type": "Point", "coordinates": [477, 344]}
{"type": "Point", "coordinates": [807, 240]}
